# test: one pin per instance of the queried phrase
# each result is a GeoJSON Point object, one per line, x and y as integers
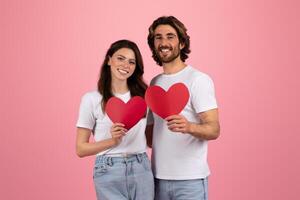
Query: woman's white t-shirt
{"type": "Point", "coordinates": [92, 117]}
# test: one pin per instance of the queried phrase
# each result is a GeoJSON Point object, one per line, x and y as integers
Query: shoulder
{"type": "Point", "coordinates": [198, 76]}
{"type": "Point", "coordinates": [92, 97]}
{"type": "Point", "coordinates": [196, 73]}
{"type": "Point", "coordinates": [154, 80]}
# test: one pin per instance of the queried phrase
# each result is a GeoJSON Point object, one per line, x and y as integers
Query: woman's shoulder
{"type": "Point", "coordinates": [93, 96]}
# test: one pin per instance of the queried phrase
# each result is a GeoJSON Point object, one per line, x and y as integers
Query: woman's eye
{"type": "Point", "coordinates": [120, 58]}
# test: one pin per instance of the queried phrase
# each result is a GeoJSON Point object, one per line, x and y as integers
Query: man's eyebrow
{"type": "Point", "coordinates": [168, 34]}
{"type": "Point", "coordinates": [171, 34]}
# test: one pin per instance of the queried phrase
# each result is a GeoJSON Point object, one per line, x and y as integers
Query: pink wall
{"type": "Point", "coordinates": [50, 55]}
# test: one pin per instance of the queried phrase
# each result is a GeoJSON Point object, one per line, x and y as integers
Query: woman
{"type": "Point", "coordinates": [122, 169]}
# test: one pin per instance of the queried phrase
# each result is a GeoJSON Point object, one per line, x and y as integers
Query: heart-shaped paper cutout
{"type": "Point", "coordinates": [167, 103]}
{"type": "Point", "coordinates": [128, 113]}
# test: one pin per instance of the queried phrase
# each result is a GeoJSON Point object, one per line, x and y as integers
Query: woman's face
{"type": "Point", "coordinates": [122, 64]}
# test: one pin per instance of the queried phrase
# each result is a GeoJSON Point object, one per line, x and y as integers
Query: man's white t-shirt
{"type": "Point", "coordinates": [92, 117]}
{"type": "Point", "coordinates": [177, 156]}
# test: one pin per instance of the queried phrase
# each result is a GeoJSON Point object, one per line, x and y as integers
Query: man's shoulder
{"type": "Point", "coordinates": [195, 73]}
{"type": "Point", "coordinates": [155, 78]}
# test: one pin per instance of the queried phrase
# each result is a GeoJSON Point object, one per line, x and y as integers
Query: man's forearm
{"type": "Point", "coordinates": [205, 131]}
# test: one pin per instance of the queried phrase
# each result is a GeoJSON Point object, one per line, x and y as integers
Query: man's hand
{"type": "Point", "coordinates": [178, 123]}
{"type": "Point", "coordinates": [208, 127]}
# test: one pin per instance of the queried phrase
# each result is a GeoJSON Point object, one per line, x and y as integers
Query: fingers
{"type": "Point", "coordinates": [118, 131]}
{"type": "Point", "coordinates": [176, 126]}
{"type": "Point", "coordinates": [118, 127]}
{"type": "Point", "coordinates": [173, 117]}
{"type": "Point", "coordinates": [119, 124]}
{"type": "Point", "coordinates": [181, 130]}
{"type": "Point", "coordinates": [117, 134]}
{"type": "Point", "coordinates": [177, 123]}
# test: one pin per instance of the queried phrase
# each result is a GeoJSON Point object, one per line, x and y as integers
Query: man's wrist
{"type": "Point", "coordinates": [191, 129]}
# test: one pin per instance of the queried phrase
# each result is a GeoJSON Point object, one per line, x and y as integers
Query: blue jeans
{"type": "Point", "coordinates": [196, 189]}
{"type": "Point", "coordinates": [120, 178]}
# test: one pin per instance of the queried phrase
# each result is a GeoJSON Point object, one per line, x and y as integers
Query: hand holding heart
{"type": "Point", "coordinates": [166, 104]}
{"type": "Point", "coordinates": [178, 123]}
{"type": "Point", "coordinates": [117, 131]}
{"type": "Point", "coordinates": [128, 113]}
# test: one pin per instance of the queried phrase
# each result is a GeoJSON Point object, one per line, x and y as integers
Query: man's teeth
{"type": "Point", "coordinates": [165, 50]}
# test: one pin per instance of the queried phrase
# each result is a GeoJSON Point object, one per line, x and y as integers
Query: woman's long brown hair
{"type": "Point", "coordinates": [136, 84]}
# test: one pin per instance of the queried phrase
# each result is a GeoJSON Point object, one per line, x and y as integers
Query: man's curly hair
{"type": "Point", "coordinates": [184, 38]}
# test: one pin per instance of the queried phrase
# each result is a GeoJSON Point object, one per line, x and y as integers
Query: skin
{"type": "Point", "coordinates": [122, 64]}
{"type": "Point", "coordinates": [167, 45]}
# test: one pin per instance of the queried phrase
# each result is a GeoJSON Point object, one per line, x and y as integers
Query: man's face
{"type": "Point", "coordinates": [166, 43]}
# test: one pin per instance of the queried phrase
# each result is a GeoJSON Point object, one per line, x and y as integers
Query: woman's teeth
{"type": "Point", "coordinates": [122, 71]}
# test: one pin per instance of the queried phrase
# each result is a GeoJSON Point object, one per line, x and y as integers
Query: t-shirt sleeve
{"type": "Point", "coordinates": [150, 119]}
{"type": "Point", "coordinates": [203, 94]}
{"type": "Point", "coordinates": [86, 118]}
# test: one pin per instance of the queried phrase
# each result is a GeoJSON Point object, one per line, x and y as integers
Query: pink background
{"type": "Point", "coordinates": [50, 55]}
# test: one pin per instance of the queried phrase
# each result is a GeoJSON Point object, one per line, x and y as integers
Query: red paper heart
{"type": "Point", "coordinates": [167, 103]}
{"type": "Point", "coordinates": [128, 113]}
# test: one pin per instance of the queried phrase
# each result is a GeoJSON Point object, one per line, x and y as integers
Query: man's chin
{"type": "Point", "coordinates": [165, 60]}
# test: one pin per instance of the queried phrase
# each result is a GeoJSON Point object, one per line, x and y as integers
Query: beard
{"type": "Point", "coordinates": [175, 53]}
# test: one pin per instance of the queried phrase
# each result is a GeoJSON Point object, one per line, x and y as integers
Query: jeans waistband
{"type": "Point", "coordinates": [123, 158]}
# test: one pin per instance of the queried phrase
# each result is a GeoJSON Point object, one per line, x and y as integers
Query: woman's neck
{"type": "Point", "coordinates": [119, 87]}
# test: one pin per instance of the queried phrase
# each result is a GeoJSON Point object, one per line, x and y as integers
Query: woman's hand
{"type": "Point", "coordinates": [117, 132]}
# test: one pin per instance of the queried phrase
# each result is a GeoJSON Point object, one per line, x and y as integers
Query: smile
{"type": "Point", "coordinates": [123, 71]}
{"type": "Point", "coordinates": [165, 49]}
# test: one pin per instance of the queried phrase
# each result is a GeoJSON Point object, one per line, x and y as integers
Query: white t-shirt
{"type": "Point", "coordinates": [92, 117]}
{"type": "Point", "coordinates": [177, 156]}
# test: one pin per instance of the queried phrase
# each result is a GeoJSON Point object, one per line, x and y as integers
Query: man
{"type": "Point", "coordinates": [179, 155]}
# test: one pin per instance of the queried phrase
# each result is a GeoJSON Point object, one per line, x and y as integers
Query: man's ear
{"type": "Point", "coordinates": [181, 46]}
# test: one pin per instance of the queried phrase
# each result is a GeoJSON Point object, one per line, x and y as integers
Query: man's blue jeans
{"type": "Point", "coordinates": [196, 189]}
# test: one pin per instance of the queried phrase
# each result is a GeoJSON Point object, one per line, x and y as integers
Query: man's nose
{"type": "Point", "coordinates": [164, 41]}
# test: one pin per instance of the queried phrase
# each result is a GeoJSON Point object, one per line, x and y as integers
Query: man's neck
{"type": "Point", "coordinates": [173, 67]}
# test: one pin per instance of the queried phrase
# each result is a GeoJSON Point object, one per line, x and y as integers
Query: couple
{"type": "Point", "coordinates": [179, 157]}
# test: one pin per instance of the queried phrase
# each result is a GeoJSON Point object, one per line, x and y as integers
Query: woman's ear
{"type": "Point", "coordinates": [109, 61]}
